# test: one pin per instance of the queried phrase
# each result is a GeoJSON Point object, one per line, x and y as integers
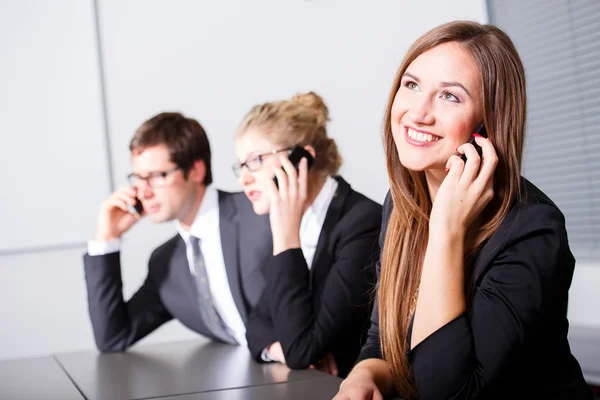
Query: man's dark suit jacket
{"type": "Point", "coordinates": [513, 345]}
{"type": "Point", "coordinates": [169, 290]}
{"type": "Point", "coordinates": [325, 309]}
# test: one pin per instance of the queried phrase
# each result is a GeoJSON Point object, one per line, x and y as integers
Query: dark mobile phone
{"type": "Point", "coordinates": [481, 131]}
{"type": "Point", "coordinates": [137, 208]}
{"type": "Point", "coordinates": [296, 154]}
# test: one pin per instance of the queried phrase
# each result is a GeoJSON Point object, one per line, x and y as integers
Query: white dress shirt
{"type": "Point", "coordinates": [311, 226]}
{"type": "Point", "coordinates": [314, 218]}
{"type": "Point", "coordinates": [206, 227]}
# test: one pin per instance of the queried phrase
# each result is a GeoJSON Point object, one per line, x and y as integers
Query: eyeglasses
{"type": "Point", "coordinates": [154, 179]}
{"type": "Point", "coordinates": [254, 162]}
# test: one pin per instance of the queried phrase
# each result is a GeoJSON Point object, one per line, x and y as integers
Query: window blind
{"type": "Point", "coordinates": [559, 43]}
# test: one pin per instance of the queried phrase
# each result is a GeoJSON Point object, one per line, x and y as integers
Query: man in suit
{"type": "Point", "coordinates": [208, 275]}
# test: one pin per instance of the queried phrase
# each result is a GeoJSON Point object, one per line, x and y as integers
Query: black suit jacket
{"type": "Point", "coordinates": [169, 290]}
{"type": "Point", "coordinates": [513, 343]}
{"type": "Point", "coordinates": [324, 309]}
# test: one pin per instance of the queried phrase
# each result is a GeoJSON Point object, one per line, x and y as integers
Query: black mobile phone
{"type": "Point", "coordinates": [137, 208]}
{"type": "Point", "coordinates": [296, 154]}
{"type": "Point", "coordinates": [481, 131]}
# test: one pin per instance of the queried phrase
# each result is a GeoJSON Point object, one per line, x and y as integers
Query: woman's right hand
{"type": "Point", "coordinates": [465, 191]}
{"type": "Point", "coordinates": [288, 204]}
{"type": "Point", "coordinates": [358, 387]}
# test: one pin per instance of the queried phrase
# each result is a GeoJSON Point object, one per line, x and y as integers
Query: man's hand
{"type": "Point", "coordinates": [114, 217]}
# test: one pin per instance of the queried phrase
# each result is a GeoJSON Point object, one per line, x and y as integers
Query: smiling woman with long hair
{"type": "Point", "coordinates": [475, 266]}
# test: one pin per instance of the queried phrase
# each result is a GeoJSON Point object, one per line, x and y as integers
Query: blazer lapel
{"type": "Point", "coordinates": [230, 245]}
{"type": "Point", "coordinates": [322, 260]}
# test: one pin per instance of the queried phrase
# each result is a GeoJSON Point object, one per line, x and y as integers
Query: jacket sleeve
{"type": "Point", "coordinates": [305, 332]}
{"type": "Point", "coordinates": [259, 329]}
{"type": "Point", "coordinates": [118, 324]}
{"type": "Point", "coordinates": [465, 356]}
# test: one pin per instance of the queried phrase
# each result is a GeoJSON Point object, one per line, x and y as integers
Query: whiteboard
{"type": "Point", "coordinates": [53, 160]}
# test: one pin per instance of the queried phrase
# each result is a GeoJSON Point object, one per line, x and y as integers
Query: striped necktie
{"type": "Point", "coordinates": [210, 315]}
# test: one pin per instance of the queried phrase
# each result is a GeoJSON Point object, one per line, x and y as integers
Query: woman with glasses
{"type": "Point", "coordinates": [315, 308]}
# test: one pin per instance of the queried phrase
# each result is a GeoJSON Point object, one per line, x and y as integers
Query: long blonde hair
{"type": "Point", "coordinates": [502, 79]}
{"type": "Point", "coordinates": [301, 120]}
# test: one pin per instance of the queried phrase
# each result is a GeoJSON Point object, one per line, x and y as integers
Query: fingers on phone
{"type": "Point", "coordinates": [127, 190]}
{"type": "Point", "coordinates": [455, 165]}
{"type": "Point", "coordinates": [473, 161]}
{"type": "Point", "coordinates": [289, 168]}
{"type": "Point", "coordinates": [282, 181]}
{"type": "Point", "coordinates": [119, 203]}
{"type": "Point", "coordinates": [489, 158]}
{"type": "Point", "coordinates": [292, 176]}
{"type": "Point", "coordinates": [127, 198]}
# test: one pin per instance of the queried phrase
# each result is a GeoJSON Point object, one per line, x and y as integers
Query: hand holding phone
{"type": "Point", "coordinates": [137, 208]}
{"type": "Point", "coordinates": [465, 191]}
{"type": "Point", "coordinates": [480, 130]}
{"type": "Point", "coordinates": [296, 154]}
{"type": "Point", "coordinates": [119, 212]}
{"type": "Point", "coordinates": [285, 214]}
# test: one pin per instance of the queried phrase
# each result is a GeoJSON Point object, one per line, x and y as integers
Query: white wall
{"type": "Point", "coordinates": [53, 169]}
{"type": "Point", "coordinates": [215, 60]}
{"type": "Point", "coordinates": [584, 296]}
{"type": "Point", "coordinates": [210, 60]}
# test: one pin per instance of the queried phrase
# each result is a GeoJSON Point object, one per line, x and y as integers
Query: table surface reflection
{"type": "Point", "coordinates": [182, 368]}
{"type": "Point", "coordinates": [324, 388]}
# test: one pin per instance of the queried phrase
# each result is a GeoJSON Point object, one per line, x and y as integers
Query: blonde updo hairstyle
{"type": "Point", "coordinates": [301, 120]}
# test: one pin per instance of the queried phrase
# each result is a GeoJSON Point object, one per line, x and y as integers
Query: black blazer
{"type": "Point", "coordinates": [513, 343]}
{"type": "Point", "coordinates": [169, 290]}
{"type": "Point", "coordinates": [324, 309]}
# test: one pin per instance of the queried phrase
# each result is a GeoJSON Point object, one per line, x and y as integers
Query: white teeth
{"type": "Point", "coordinates": [421, 137]}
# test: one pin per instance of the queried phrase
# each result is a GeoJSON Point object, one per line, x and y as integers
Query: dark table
{"type": "Point", "coordinates": [35, 378]}
{"type": "Point", "coordinates": [324, 388]}
{"type": "Point", "coordinates": [197, 369]}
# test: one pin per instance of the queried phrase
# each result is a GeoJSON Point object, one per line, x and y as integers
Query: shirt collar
{"type": "Point", "coordinates": [203, 225]}
{"type": "Point", "coordinates": [323, 199]}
